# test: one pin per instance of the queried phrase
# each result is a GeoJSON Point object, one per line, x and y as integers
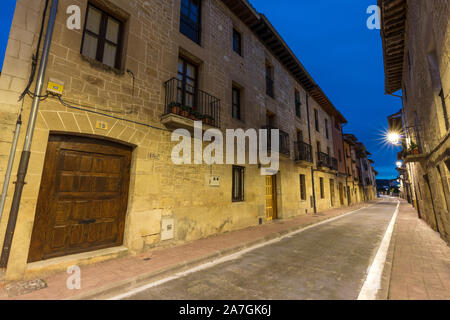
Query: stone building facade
{"type": "Point", "coordinates": [416, 52]}
{"type": "Point", "coordinates": [101, 162]}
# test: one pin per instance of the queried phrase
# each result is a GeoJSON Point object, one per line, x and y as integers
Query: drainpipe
{"type": "Point", "coordinates": [25, 157]}
{"type": "Point", "coordinates": [310, 142]}
{"type": "Point", "coordinates": [10, 165]}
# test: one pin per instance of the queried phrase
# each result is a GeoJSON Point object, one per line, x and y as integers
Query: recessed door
{"type": "Point", "coordinates": [271, 198]}
{"type": "Point", "coordinates": [83, 197]}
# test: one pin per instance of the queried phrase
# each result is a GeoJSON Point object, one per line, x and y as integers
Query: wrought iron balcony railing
{"type": "Point", "coordinates": [284, 140]}
{"type": "Point", "coordinates": [189, 102]}
{"type": "Point", "coordinates": [334, 164]}
{"type": "Point", "coordinates": [323, 160]}
{"type": "Point", "coordinates": [303, 151]}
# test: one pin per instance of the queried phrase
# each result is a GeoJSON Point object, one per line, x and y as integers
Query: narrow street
{"type": "Point", "coordinates": [329, 261]}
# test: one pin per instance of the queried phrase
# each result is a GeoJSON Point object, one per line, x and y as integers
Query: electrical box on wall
{"type": "Point", "coordinates": [214, 181]}
{"type": "Point", "coordinates": [167, 229]}
{"type": "Point", "coordinates": [55, 86]}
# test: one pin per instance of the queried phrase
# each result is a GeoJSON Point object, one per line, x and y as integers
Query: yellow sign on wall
{"type": "Point", "coordinates": [102, 125]}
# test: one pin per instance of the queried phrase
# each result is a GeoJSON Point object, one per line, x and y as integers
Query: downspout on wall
{"type": "Point", "coordinates": [12, 155]}
{"type": "Point", "coordinates": [25, 156]}
{"type": "Point", "coordinates": [310, 142]}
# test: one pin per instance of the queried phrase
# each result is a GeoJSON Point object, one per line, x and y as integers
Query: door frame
{"type": "Point", "coordinates": [274, 198]}
{"type": "Point", "coordinates": [68, 136]}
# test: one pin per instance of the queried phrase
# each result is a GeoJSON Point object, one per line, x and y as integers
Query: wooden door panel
{"type": "Point", "coordinates": [83, 198]}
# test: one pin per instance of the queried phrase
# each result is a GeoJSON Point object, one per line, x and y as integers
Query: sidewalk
{"type": "Point", "coordinates": [119, 274]}
{"type": "Point", "coordinates": [421, 260]}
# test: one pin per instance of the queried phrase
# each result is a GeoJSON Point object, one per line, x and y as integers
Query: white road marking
{"type": "Point", "coordinates": [372, 284]}
{"type": "Point", "coordinates": [227, 258]}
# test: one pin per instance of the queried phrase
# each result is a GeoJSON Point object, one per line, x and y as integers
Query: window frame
{"type": "Point", "coordinates": [327, 132]}
{"type": "Point", "coordinates": [303, 194]}
{"type": "Point", "coordinates": [184, 82]}
{"type": "Point", "coordinates": [322, 188]}
{"type": "Point", "coordinates": [238, 105]}
{"type": "Point", "coordinates": [101, 37]}
{"type": "Point", "coordinates": [316, 120]}
{"type": "Point", "coordinates": [241, 172]}
{"type": "Point", "coordinates": [298, 104]}
{"type": "Point", "coordinates": [237, 49]}
{"type": "Point", "coordinates": [270, 82]}
{"type": "Point", "coordinates": [185, 21]}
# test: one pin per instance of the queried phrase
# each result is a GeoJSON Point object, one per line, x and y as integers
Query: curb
{"type": "Point", "coordinates": [128, 284]}
{"type": "Point", "coordinates": [383, 293]}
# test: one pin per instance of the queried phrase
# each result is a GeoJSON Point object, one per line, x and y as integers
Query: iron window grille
{"type": "Point", "coordinates": [303, 152]}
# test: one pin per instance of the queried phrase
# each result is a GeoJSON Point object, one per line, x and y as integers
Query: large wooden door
{"type": "Point", "coordinates": [83, 197]}
{"type": "Point", "coordinates": [271, 198]}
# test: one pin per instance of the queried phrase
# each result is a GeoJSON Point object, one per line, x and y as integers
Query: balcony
{"type": "Point", "coordinates": [334, 164]}
{"type": "Point", "coordinates": [323, 160]}
{"type": "Point", "coordinates": [413, 151]}
{"type": "Point", "coordinates": [185, 104]}
{"type": "Point", "coordinates": [303, 153]}
{"type": "Point", "coordinates": [284, 140]}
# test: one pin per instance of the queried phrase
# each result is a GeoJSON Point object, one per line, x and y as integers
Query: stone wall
{"type": "Point", "coordinates": [427, 41]}
{"type": "Point", "coordinates": [158, 188]}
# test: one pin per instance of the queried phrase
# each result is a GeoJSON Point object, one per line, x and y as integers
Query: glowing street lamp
{"type": "Point", "coordinates": [393, 138]}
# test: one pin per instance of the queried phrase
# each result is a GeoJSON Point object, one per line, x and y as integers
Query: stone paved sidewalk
{"type": "Point", "coordinates": [421, 260]}
{"type": "Point", "coordinates": [123, 273]}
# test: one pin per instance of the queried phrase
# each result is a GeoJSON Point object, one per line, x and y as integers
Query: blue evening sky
{"type": "Point", "coordinates": [6, 15]}
{"type": "Point", "coordinates": [344, 57]}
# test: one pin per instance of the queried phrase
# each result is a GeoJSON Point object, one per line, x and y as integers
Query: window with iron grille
{"type": "Point", "coordinates": [303, 187]}
{"type": "Point", "coordinates": [190, 19]}
{"type": "Point", "coordinates": [238, 184]}
{"type": "Point", "coordinates": [322, 191]}
{"type": "Point", "coordinates": [102, 37]}
{"type": "Point", "coordinates": [237, 42]}
{"type": "Point", "coordinates": [298, 104]}
{"type": "Point", "coordinates": [236, 103]}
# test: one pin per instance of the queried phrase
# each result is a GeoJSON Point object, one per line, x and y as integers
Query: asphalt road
{"type": "Point", "coordinates": [329, 261]}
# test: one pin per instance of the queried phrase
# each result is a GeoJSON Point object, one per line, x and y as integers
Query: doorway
{"type": "Point", "coordinates": [83, 197]}
{"type": "Point", "coordinates": [271, 197]}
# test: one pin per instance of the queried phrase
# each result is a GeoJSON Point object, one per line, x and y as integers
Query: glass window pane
{"type": "Point", "coordinates": [112, 31]}
{"type": "Point", "coordinates": [93, 20]}
{"type": "Point", "coordinates": [109, 56]}
{"type": "Point", "coordinates": [190, 71]}
{"type": "Point", "coordinates": [90, 46]}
